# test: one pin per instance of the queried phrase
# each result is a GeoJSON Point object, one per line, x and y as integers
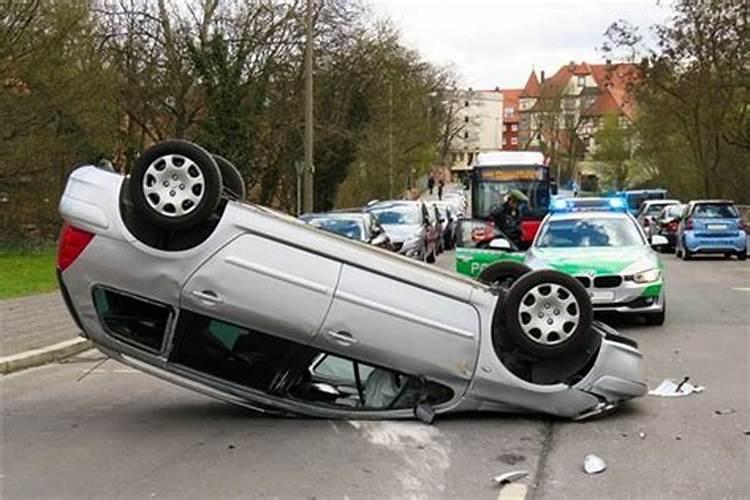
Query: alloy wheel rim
{"type": "Point", "coordinates": [173, 185]}
{"type": "Point", "coordinates": [549, 314]}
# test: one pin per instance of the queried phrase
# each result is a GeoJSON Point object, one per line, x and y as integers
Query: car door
{"type": "Point", "coordinates": [388, 322]}
{"type": "Point", "coordinates": [265, 285]}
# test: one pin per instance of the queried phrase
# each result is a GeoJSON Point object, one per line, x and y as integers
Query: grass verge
{"type": "Point", "coordinates": [27, 272]}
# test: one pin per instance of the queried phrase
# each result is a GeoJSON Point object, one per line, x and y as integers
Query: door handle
{"type": "Point", "coordinates": [208, 296]}
{"type": "Point", "coordinates": [342, 337]}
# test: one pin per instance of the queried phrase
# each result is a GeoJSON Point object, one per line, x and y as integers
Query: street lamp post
{"type": "Point", "coordinates": [309, 165]}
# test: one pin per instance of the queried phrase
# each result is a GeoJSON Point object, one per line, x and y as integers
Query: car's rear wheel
{"type": "Point", "coordinates": [503, 274]}
{"type": "Point", "coordinates": [685, 253]}
{"type": "Point", "coordinates": [234, 185]}
{"type": "Point", "coordinates": [548, 314]}
{"type": "Point", "coordinates": [742, 255]}
{"type": "Point", "coordinates": [175, 184]}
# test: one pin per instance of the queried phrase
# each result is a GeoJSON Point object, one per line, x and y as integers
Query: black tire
{"type": "Point", "coordinates": [503, 274]}
{"type": "Point", "coordinates": [657, 318]}
{"type": "Point", "coordinates": [431, 257]}
{"type": "Point", "coordinates": [742, 255]}
{"type": "Point", "coordinates": [234, 184]}
{"type": "Point", "coordinates": [580, 334]}
{"type": "Point", "coordinates": [685, 253]}
{"type": "Point", "coordinates": [208, 189]}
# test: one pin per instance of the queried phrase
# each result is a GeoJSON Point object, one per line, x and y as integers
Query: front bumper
{"type": "Point", "coordinates": [629, 297]}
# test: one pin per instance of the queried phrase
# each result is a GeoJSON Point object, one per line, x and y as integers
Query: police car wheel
{"type": "Point", "coordinates": [503, 274]}
{"type": "Point", "coordinates": [548, 314]}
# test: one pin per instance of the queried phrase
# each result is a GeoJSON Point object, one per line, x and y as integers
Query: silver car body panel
{"type": "Point", "coordinates": [271, 272]}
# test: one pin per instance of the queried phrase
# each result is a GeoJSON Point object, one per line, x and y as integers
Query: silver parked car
{"type": "Point", "coordinates": [170, 272]}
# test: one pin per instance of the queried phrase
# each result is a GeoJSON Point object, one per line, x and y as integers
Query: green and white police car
{"type": "Point", "coordinates": [601, 245]}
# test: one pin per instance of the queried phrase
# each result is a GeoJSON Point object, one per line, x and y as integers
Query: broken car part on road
{"type": "Point", "coordinates": [169, 272]}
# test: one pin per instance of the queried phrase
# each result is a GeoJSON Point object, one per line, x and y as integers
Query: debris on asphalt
{"type": "Point", "coordinates": [727, 411]}
{"type": "Point", "coordinates": [509, 477]}
{"type": "Point", "coordinates": [669, 389]}
{"type": "Point", "coordinates": [231, 447]}
{"type": "Point", "coordinates": [594, 465]}
{"type": "Point", "coordinates": [642, 435]}
{"type": "Point", "coordinates": [511, 458]}
{"type": "Point", "coordinates": [678, 437]}
{"type": "Point", "coordinates": [747, 433]}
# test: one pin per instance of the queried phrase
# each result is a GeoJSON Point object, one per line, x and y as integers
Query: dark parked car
{"type": "Point", "coordinates": [353, 225]}
{"type": "Point", "coordinates": [665, 224]}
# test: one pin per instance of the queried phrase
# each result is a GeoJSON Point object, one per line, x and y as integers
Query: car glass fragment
{"type": "Point", "coordinates": [593, 464]}
{"type": "Point", "coordinates": [669, 389]}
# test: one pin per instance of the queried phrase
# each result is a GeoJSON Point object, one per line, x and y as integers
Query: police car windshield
{"type": "Point", "coordinates": [605, 232]}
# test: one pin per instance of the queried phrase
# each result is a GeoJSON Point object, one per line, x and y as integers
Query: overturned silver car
{"type": "Point", "coordinates": [169, 271]}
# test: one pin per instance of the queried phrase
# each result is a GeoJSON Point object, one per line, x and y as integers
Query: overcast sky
{"type": "Point", "coordinates": [498, 42]}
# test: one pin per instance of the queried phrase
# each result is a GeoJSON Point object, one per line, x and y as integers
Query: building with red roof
{"type": "Point", "coordinates": [575, 99]}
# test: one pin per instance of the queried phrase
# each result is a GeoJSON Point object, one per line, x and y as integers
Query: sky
{"type": "Point", "coordinates": [495, 43]}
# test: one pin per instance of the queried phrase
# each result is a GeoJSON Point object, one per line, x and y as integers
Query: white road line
{"type": "Point", "coordinates": [513, 491]}
{"type": "Point", "coordinates": [741, 289]}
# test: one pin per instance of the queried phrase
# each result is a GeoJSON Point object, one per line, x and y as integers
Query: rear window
{"type": "Point", "coordinates": [654, 209]}
{"type": "Point", "coordinates": [715, 211]}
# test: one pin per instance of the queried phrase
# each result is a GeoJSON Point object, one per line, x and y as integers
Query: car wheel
{"type": "Point", "coordinates": [548, 314]}
{"type": "Point", "coordinates": [503, 274]}
{"type": "Point", "coordinates": [742, 255]}
{"type": "Point", "coordinates": [431, 257]}
{"type": "Point", "coordinates": [234, 184]}
{"type": "Point", "coordinates": [657, 318]}
{"type": "Point", "coordinates": [175, 184]}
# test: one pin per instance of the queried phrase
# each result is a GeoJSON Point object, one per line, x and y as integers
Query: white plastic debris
{"type": "Point", "coordinates": [594, 465]}
{"type": "Point", "coordinates": [670, 389]}
{"type": "Point", "coordinates": [509, 477]}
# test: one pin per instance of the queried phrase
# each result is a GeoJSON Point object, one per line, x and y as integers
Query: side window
{"type": "Point", "coordinates": [295, 371]}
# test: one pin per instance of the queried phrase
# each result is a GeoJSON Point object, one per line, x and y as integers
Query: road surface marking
{"type": "Point", "coordinates": [741, 289]}
{"type": "Point", "coordinates": [513, 491]}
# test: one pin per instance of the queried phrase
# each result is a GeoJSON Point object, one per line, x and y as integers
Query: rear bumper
{"type": "Point", "coordinates": [705, 244]}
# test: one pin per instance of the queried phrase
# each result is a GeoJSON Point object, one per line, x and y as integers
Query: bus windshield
{"type": "Point", "coordinates": [491, 185]}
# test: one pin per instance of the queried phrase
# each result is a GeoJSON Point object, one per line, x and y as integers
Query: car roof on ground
{"type": "Point", "coordinates": [333, 215]}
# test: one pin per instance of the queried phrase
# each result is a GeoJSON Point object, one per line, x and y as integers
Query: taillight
{"type": "Point", "coordinates": [72, 242]}
{"type": "Point", "coordinates": [672, 226]}
{"type": "Point", "coordinates": [742, 225]}
{"type": "Point", "coordinates": [688, 224]}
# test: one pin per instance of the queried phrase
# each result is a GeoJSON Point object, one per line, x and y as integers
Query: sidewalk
{"type": "Point", "coordinates": [36, 330]}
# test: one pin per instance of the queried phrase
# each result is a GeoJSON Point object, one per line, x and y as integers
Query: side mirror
{"type": "Point", "coordinates": [379, 239]}
{"type": "Point", "coordinates": [658, 240]}
{"type": "Point", "coordinates": [501, 244]}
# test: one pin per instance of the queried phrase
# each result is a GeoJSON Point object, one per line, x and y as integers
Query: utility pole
{"type": "Point", "coordinates": [309, 165]}
{"type": "Point", "coordinates": [390, 139]}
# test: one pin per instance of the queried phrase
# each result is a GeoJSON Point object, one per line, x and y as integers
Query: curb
{"type": "Point", "coordinates": [38, 357]}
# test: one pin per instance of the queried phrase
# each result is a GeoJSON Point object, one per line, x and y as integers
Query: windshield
{"type": "Point", "coordinates": [654, 208]}
{"type": "Point", "coordinates": [487, 195]}
{"type": "Point", "coordinates": [635, 200]}
{"type": "Point", "coordinates": [405, 214]}
{"type": "Point", "coordinates": [715, 211]}
{"type": "Point", "coordinates": [351, 228]}
{"type": "Point", "coordinates": [571, 233]}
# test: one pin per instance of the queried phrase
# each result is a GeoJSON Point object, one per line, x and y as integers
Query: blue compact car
{"type": "Point", "coordinates": [711, 226]}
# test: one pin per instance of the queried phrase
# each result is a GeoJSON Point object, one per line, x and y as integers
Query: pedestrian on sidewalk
{"type": "Point", "coordinates": [441, 185]}
{"type": "Point", "coordinates": [431, 183]}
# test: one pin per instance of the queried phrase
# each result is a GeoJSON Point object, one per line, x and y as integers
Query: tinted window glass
{"type": "Point", "coordinates": [715, 211]}
{"type": "Point", "coordinates": [589, 233]}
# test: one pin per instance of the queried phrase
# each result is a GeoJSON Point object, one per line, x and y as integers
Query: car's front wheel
{"type": "Point", "coordinates": [175, 184]}
{"type": "Point", "coordinates": [548, 314]}
{"type": "Point", "coordinates": [742, 255]}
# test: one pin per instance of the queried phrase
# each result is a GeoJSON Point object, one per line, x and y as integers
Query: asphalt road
{"type": "Point", "coordinates": [83, 429]}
